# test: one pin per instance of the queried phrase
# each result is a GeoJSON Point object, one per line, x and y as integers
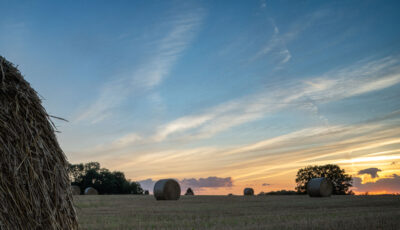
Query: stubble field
{"type": "Point", "coordinates": [239, 212]}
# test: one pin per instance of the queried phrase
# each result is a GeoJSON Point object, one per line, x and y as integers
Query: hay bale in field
{"type": "Point", "coordinates": [91, 191]}
{"type": "Point", "coordinates": [248, 192]}
{"type": "Point", "coordinates": [167, 189]}
{"type": "Point", "coordinates": [319, 187]}
{"type": "Point", "coordinates": [34, 184]}
{"type": "Point", "coordinates": [146, 192]}
{"type": "Point", "coordinates": [189, 192]}
{"type": "Point", "coordinates": [76, 190]}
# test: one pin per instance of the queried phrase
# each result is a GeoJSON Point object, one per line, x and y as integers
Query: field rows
{"type": "Point", "coordinates": [238, 212]}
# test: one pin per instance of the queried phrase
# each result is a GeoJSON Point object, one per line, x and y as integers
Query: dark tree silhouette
{"type": "Point", "coordinates": [189, 192]}
{"type": "Point", "coordinates": [104, 181]}
{"type": "Point", "coordinates": [340, 180]}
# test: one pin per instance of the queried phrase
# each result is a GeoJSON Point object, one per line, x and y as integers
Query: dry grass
{"type": "Point", "coordinates": [35, 189]}
{"type": "Point", "coordinates": [239, 212]}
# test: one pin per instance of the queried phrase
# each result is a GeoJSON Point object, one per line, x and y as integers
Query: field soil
{"type": "Point", "coordinates": [239, 212]}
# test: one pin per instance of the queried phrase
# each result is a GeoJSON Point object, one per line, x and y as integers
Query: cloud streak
{"type": "Point", "coordinates": [276, 46]}
{"type": "Point", "coordinates": [361, 78]}
{"type": "Point", "coordinates": [150, 74]}
{"type": "Point", "coordinates": [346, 145]}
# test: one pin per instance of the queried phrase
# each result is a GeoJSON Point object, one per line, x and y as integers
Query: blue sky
{"type": "Point", "coordinates": [246, 90]}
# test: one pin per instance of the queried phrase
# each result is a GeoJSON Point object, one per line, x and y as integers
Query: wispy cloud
{"type": "Point", "coordinates": [122, 142]}
{"type": "Point", "coordinates": [151, 73]}
{"type": "Point", "coordinates": [361, 78]}
{"type": "Point", "coordinates": [345, 145]}
{"type": "Point", "coordinates": [276, 45]}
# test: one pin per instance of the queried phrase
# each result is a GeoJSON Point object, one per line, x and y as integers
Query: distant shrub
{"type": "Point", "coordinates": [189, 192]}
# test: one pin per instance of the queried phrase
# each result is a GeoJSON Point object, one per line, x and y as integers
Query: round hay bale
{"type": "Point", "coordinates": [189, 192]}
{"type": "Point", "coordinates": [76, 190]}
{"type": "Point", "coordinates": [167, 189]}
{"type": "Point", "coordinates": [146, 192]}
{"type": "Point", "coordinates": [35, 186]}
{"type": "Point", "coordinates": [248, 192]}
{"type": "Point", "coordinates": [319, 187]}
{"type": "Point", "coordinates": [91, 191]}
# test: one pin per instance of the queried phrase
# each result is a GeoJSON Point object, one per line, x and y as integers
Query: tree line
{"type": "Point", "coordinates": [107, 182]}
{"type": "Point", "coordinates": [102, 179]}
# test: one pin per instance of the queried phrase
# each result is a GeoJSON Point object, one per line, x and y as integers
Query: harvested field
{"type": "Point", "coordinates": [239, 212]}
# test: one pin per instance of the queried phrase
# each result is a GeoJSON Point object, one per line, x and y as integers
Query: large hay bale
{"type": "Point", "coordinates": [189, 192]}
{"type": "Point", "coordinates": [34, 184]}
{"type": "Point", "coordinates": [76, 190]}
{"type": "Point", "coordinates": [319, 187]}
{"type": "Point", "coordinates": [91, 191]}
{"type": "Point", "coordinates": [167, 189]}
{"type": "Point", "coordinates": [248, 192]}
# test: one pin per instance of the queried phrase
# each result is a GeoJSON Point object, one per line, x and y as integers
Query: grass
{"type": "Point", "coordinates": [239, 212]}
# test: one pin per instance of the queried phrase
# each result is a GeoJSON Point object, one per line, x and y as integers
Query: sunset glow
{"type": "Point", "coordinates": [218, 96]}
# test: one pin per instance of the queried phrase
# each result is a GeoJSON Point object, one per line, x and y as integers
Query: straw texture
{"type": "Point", "coordinates": [248, 192]}
{"type": "Point", "coordinates": [35, 191]}
{"type": "Point", "coordinates": [91, 191]}
{"type": "Point", "coordinates": [319, 187]}
{"type": "Point", "coordinates": [167, 189]}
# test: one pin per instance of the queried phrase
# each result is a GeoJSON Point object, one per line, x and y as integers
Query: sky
{"type": "Point", "coordinates": [220, 95]}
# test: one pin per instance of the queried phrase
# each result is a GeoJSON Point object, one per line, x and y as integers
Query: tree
{"type": "Point", "coordinates": [340, 180]}
{"type": "Point", "coordinates": [76, 172]}
{"type": "Point", "coordinates": [189, 192]}
{"type": "Point", "coordinates": [104, 181]}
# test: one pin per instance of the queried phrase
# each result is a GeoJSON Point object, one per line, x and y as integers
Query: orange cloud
{"type": "Point", "coordinates": [384, 185]}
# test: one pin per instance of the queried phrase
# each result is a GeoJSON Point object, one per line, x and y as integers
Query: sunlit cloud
{"type": "Point", "coordinates": [373, 172]}
{"type": "Point", "coordinates": [346, 145]}
{"type": "Point", "coordinates": [383, 185]}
